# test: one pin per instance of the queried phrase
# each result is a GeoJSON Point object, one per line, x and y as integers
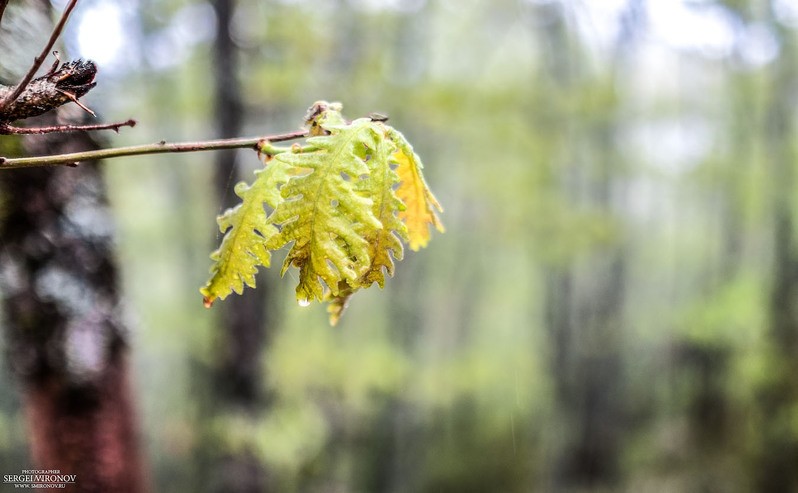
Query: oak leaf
{"type": "Point", "coordinates": [343, 204]}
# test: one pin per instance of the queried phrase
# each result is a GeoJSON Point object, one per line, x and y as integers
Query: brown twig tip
{"type": "Point", "coordinates": [74, 99]}
{"type": "Point", "coordinates": [130, 123]}
{"type": "Point", "coordinates": [6, 129]}
{"type": "Point", "coordinates": [116, 126]}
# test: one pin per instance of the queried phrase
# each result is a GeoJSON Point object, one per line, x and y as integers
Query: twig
{"type": "Point", "coordinates": [74, 99]}
{"type": "Point", "coordinates": [54, 66]}
{"type": "Point", "coordinates": [3, 4]}
{"type": "Point", "coordinates": [37, 62]}
{"type": "Point", "coordinates": [12, 130]}
{"type": "Point", "coordinates": [159, 148]}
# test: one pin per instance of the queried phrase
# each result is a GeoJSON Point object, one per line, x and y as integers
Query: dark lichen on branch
{"type": "Point", "coordinates": [61, 85]}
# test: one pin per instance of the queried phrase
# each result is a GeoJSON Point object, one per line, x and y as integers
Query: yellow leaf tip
{"type": "Point", "coordinates": [418, 245]}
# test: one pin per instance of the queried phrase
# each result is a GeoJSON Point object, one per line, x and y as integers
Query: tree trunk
{"type": "Point", "coordinates": [776, 464]}
{"type": "Point", "coordinates": [243, 317]}
{"type": "Point", "coordinates": [66, 340]}
{"type": "Point", "coordinates": [236, 379]}
{"type": "Point", "coordinates": [585, 297]}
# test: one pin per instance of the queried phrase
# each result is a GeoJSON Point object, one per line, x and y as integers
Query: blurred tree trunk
{"type": "Point", "coordinates": [776, 466]}
{"type": "Point", "coordinates": [584, 300]}
{"type": "Point", "coordinates": [66, 339]}
{"type": "Point", "coordinates": [708, 366]}
{"type": "Point", "coordinates": [237, 377]}
{"type": "Point", "coordinates": [243, 317]}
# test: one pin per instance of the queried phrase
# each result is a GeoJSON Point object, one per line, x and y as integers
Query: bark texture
{"type": "Point", "coordinates": [56, 88]}
{"type": "Point", "coordinates": [66, 340]}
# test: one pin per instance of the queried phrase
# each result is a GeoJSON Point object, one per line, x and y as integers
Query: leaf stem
{"type": "Point", "coordinates": [71, 159]}
{"type": "Point", "coordinates": [266, 147]}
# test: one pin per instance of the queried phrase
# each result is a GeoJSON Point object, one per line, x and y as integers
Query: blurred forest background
{"type": "Point", "coordinates": [614, 305]}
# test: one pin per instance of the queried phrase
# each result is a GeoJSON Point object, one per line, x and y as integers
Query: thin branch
{"type": "Point", "coordinates": [3, 5]}
{"type": "Point", "coordinates": [37, 62]}
{"type": "Point", "coordinates": [74, 99]}
{"type": "Point", "coordinates": [162, 147]}
{"type": "Point", "coordinates": [12, 130]}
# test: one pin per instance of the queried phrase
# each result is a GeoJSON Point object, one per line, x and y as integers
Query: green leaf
{"type": "Point", "coordinates": [386, 206]}
{"type": "Point", "coordinates": [246, 231]}
{"type": "Point", "coordinates": [323, 214]}
{"type": "Point", "coordinates": [343, 204]}
{"type": "Point", "coordinates": [383, 243]}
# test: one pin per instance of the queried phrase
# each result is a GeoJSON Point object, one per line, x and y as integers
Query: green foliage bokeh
{"type": "Point", "coordinates": [605, 286]}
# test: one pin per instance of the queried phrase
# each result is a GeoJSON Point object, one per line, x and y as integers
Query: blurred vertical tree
{"type": "Point", "coordinates": [778, 456]}
{"type": "Point", "coordinates": [237, 376]}
{"type": "Point", "coordinates": [585, 293]}
{"type": "Point", "coordinates": [66, 339]}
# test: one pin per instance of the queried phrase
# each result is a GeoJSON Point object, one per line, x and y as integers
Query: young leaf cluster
{"type": "Point", "coordinates": [343, 204]}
